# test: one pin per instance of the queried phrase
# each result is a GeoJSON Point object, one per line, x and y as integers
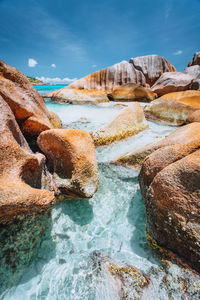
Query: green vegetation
{"type": "Point", "coordinates": [34, 80]}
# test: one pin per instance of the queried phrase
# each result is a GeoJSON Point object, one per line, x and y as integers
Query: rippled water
{"type": "Point", "coordinates": [112, 222]}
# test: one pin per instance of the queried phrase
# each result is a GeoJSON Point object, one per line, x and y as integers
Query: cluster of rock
{"type": "Point", "coordinates": [70, 154]}
{"type": "Point", "coordinates": [65, 163]}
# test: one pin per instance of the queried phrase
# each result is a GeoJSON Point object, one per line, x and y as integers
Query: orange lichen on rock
{"type": "Point", "coordinates": [25, 102]}
{"type": "Point", "coordinates": [174, 108]}
{"type": "Point", "coordinates": [20, 171]}
{"type": "Point", "coordinates": [71, 160]}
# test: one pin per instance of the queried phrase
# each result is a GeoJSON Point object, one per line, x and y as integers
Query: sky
{"type": "Point", "coordinates": [60, 40]}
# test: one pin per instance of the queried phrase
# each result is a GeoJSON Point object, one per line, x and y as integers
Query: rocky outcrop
{"type": "Point", "coordinates": [110, 77]}
{"type": "Point", "coordinates": [184, 135]}
{"type": "Point", "coordinates": [169, 180]}
{"type": "Point", "coordinates": [171, 82]}
{"type": "Point", "coordinates": [75, 96]}
{"type": "Point", "coordinates": [152, 66]}
{"type": "Point", "coordinates": [132, 92]}
{"type": "Point", "coordinates": [71, 161]}
{"type": "Point", "coordinates": [174, 108]}
{"type": "Point", "coordinates": [128, 122]}
{"type": "Point", "coordinates": [196, 60]}
{"type": "Point", "coordinates": [25, 102]}
{"type": "Point", "coordinates": [20, 172]}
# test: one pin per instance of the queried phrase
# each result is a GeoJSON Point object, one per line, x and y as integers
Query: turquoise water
{"type": "Point", "coordinates": [42, 89]}
{"type": "Point", "coordinates": [112, 222]}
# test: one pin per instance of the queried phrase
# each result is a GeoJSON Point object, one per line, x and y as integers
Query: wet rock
{"type": "Point", "coordinates": [169, 181]}
{"type": "Point", "coordinates": [25, 102]}
{"type": "Point", "coordinates": [184, 135]}
{"type": "Point", "coordinates": [174, 108]}
{"type": "Point", "coordinates": [152, 66]}
{"type": "Point", "coordinates": [76, 96]}
{"type": "Point", "coordinates": [117, 280]}
{"type": "Point", "coordinates": [71, 160]}
{"type": "Point", "coordinates": [19, 241]}
{"type": "Point", "coordinates": [20, 172]}
{"type": "Point", "coordinates": [132, 92]}
{"type": "Point", "coordinates": [171, 82]}
{"type": "Point", "coordinates": [128, 122]}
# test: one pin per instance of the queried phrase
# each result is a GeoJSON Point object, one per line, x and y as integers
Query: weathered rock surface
{"type": "Point", "coordinates": [25, 102]}
{"type": "Point", "coordinates": [110, 77]}
{"type": "Point", "coordinates": [184, 135]}
{"type": "Point", "coordinates": [171, 82]}
{"type": "Point", "coordinates": [196, 60]}
{"type": "Point", "coordinates": [169, 181]}
{"type": "Point", "coordinates": [174, 108]}
{"type": "Point", "coordinates": [20, 171]}
{"type": "Point", "coordinates": [76, 96]}
{"type": "Point", "coordinates": [71, 160]}
{"type": "Point", "coordinates": [128, 122]}
{"type": "Point", "coordinates": [193, 71]}
{"type": "Point", "coordinates": [131, 92]}
{"type": "Point", "coordinates": [152, 66]}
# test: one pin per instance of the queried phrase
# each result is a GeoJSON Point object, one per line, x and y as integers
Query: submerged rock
{"type": "Point", "coordinates": [116, 280]}
{"type": "Point", "coordinates": [171, 82]}
{"type": "Point", "coordinates": [75, 96]}
{"type": "Point", "coordinates": [128, 122]}
{"type": "Point", "coordinates": [72, 161]}
{"type": "Point", "coordinates": [20, 172]}
{"type": "Point", "coordinates": [25, 102]}
{"type": "Point", "coordinates": [184, 135]}
{"type": "Point", "coordinates": [132, 92]}
{"type": "Point", "coordinates": [174, 108]}
{"type": "Point", "coordinates": [152, 66]}
{"type": "Point", "coordinates": [169, 181]}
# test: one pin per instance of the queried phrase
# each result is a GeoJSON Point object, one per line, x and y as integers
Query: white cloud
{"type": "Point", "coordinates": [56, 80]}
{"type": "Point", "coordinates": [94, 66]}
{"type": "Point", "coordinates": [179, 52]}
{"type": "Point", "coordinates": [32, 62]}
{"type": "Point", "coordinates": [53, 65]}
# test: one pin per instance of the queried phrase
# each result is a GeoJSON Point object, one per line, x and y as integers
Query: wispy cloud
{"type": "Point", "coordinates": [53, 65]}
{"type": "Point", "coordinates": [60, 35]}
{"type": "Point", "coordinates": [56, 80]}
{"type": "Point", "coordinates": [32, 62]}
{"type": "Point", "coordinates": [94, 66]}
{"type": "Point", "coordinates": [179, 52]}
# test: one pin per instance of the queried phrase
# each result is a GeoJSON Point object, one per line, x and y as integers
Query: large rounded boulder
{"type": "Point", "coordinates": [20, 172]}
{"type": "Point", "coordinates": [132, 92]}
{"type": "Point", "coordinates": [71, 161]}
{"type": "Point", "coordinates": [25, 102]}
{"type": "Point", "coordinates": [78, 96]}
{"type": "Point", "coordinates": [169, 181]}
{"type": "Point", "coordinates": [128, 122]}
{"type": "Point", "coordinates": [152, 66]}
{"type": "Point", "coordinates": [170, 82]}
{"type": "Point", "coordinates": [174, 108]}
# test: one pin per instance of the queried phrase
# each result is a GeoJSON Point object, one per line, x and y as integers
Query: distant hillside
{"type": "Point", "coordinates": [34, 80]}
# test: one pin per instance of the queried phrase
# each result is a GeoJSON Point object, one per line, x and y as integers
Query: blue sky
{"type": "Point", "coordinates": [70, 39]}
